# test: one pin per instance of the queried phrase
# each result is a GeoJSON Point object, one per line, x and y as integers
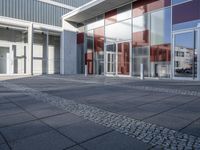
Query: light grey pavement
{"type": "Point", "coordinates": [27, 122]}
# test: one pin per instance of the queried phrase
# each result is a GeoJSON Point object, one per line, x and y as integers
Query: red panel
{"type": "Point", "coordinates": [123, 58]}
{"type": "Point", "coordinates": [141, 38]}
{"type": "Point", "coordinates": [111, 17]}
{"type": "Point", "coordinates": [99, 39]}
{"type": "Point", "coordinates": [186, 12]}
{"type": "Point", "coordinates": [80, 38]}
{"type": "Point", "coordinates": [160, 53]}
{"type": "Point", "coordinates": [141, 7]}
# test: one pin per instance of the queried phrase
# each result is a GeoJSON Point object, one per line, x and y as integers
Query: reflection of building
{"type": "Point", "coordinates": [160, 60]}
{"type": "Point", "coordinates": [183, 57]}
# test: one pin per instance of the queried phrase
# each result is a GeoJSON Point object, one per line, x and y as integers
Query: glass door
{"type": "Point", "coordinates": [111, 59]}
{"type": "Point", "coordinates": [118, 59]}
{"type": "Point", "coordinates": [185, 55]}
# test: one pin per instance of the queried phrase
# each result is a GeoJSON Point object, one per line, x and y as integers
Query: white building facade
{"type": "Point", "coordinates": [30, 35]}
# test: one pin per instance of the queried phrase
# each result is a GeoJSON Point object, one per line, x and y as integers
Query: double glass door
{"type": "Point", "coordinates": [118, 59]}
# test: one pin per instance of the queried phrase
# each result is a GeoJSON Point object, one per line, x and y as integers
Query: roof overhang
{"type": "Point", "coordinates": [92, 9]}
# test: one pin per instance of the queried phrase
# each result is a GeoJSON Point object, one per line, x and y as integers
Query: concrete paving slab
{"type": "Point", "coordinates": [47, 141]}
{"type": "Point", "coordinates": [75, 148]}
{"type": "Point", "coordinates": [14, 119]}
{"type": "Point", "coordinates": [183, 114]}
{"type": "Point", "coordinates": [9, 108]}
{"type": "Point", "coordinates": [171, 122]}
{"type": "Point", "coordinates": [178, 100]}
{"type": "Point", "coordinates": [193, 129]}
{"type": "Point", "coordinates": [47, 111]}
{"type": "Point", "coordinates": [115, 141]}
{"type": "Point", "coordinates": [1, 140]}
{"type": "Point", "coordinates": [32, 104]}
{"type": "Point", "coordinates": [24, 130]}
{"type": "Point", "coordinates": [62, 120]}
{"type": "Point", "coordinates": [137, 113]}
{"type": "Point", "coordinates": [155, 107]}
{"type": "Point", "coordinates": [192, 106]}
{"type": "Point", "coordinates": [84, 130]}
{"type": "Point", "coordinates": [4, 147]}
{"type": "Point", "coordinates": [3, 100]}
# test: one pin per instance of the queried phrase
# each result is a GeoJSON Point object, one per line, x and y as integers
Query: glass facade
{"type": "Point", "coordinates": [145, 32]}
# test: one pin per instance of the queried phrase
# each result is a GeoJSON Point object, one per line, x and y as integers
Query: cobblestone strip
{"type": "Point", "coordinates": [146, 132]}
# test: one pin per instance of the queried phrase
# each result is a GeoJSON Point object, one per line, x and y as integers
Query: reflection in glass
{"type": "Point", "coordinates": [161, 27]}
{"type": "Point", "coordinates": [142, 7]}
{"type": "Point", "coordinates": [184, 51]}
{"type": "Point", "coordinates": [141, 56]}
{"type": "Point", "coordinates": [99, 50]}
{"type": "Point", "coordinates": [123, 58]}
{"type": "Point", "coordinates": [124, 12]}
{"type": "Point", "coordinates": [179, 1]}
{"type": "Point", "coordinates": [89, 54]}
{"type": "Point", "coordinates": [160, 50]}
{"type": "Point", "coordinates": [95, 23]}
{"type": "Point", "coordinates": [120, 31]}
{"type": "Point", "coordinates": [141, 30]}
{"type": "Point", "coordinates": [111, 17]}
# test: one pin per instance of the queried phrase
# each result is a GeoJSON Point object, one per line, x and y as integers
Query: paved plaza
{"type": "Point", "coordinates": [55, 112]}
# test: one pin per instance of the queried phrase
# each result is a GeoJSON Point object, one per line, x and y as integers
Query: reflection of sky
{"type": "Point", "coordinates": [167, 26]}
{"type": "Point", "coordinates": [185, 40]}
{"type": "Point", "coordinates": [184, 25]}
{"type": "Point", "coordinates": [178, 1]}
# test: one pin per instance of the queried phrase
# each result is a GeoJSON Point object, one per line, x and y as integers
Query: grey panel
{"type": "Point", "coordinates": [35, 11]}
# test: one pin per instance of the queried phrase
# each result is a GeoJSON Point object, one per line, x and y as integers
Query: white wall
{"type": "Point", "coordinates": [4, 52]}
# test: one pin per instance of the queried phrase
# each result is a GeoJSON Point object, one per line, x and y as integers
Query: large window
{"type": "Point", "coordinates": [124, 12]}
{"type": "Point", "coordinates": [184, 55]}
{"type": "Point", "coordinates": [90, 50]}
{"type": "Point", "coordinates": [141, 30]}
{"type": "Point", "coordinates": [120, 31]}
{"type": "Point", "coordinates": [160, 49]}
{"type": "Point", "coordinates": [141, 50]}
{"type": "Point", "coordinates": [99, 50]}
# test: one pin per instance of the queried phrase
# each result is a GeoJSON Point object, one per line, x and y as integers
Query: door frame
{"type": "Point", "coordinates": [197, 50]}
{"type": "Point", "coordinates": [116, 59]}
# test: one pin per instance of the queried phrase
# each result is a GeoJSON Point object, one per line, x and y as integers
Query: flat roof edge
{"type": "Point", "coordinates": [82, 8]}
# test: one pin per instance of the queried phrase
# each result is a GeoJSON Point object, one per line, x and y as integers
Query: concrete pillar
{"type": "Point", "coordinates": [62, 70]}
{"type": "Point", "coordinates": [69, 52]}
{"type": "Point", "coordinates": [30, 50]}
{"type": "Point", "coordinates": [47, 52]}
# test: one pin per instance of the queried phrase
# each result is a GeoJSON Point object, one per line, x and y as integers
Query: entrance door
{"type": "Point", "coordinates": [4, 60]}
{"type": "Point", "coordinates": [118, 59]}
{"type": "Point", "coordinates": [111, 63]}
{"type": "Point", "coordinates": [185, 54]}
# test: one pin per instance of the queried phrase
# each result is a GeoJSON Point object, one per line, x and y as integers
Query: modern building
{"type": "Point", "coordinates": [101, 37]}
{"type": "Point", "coordinates": [30, 35]}
{"type": "Point", "coordinates": [119, 37]}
